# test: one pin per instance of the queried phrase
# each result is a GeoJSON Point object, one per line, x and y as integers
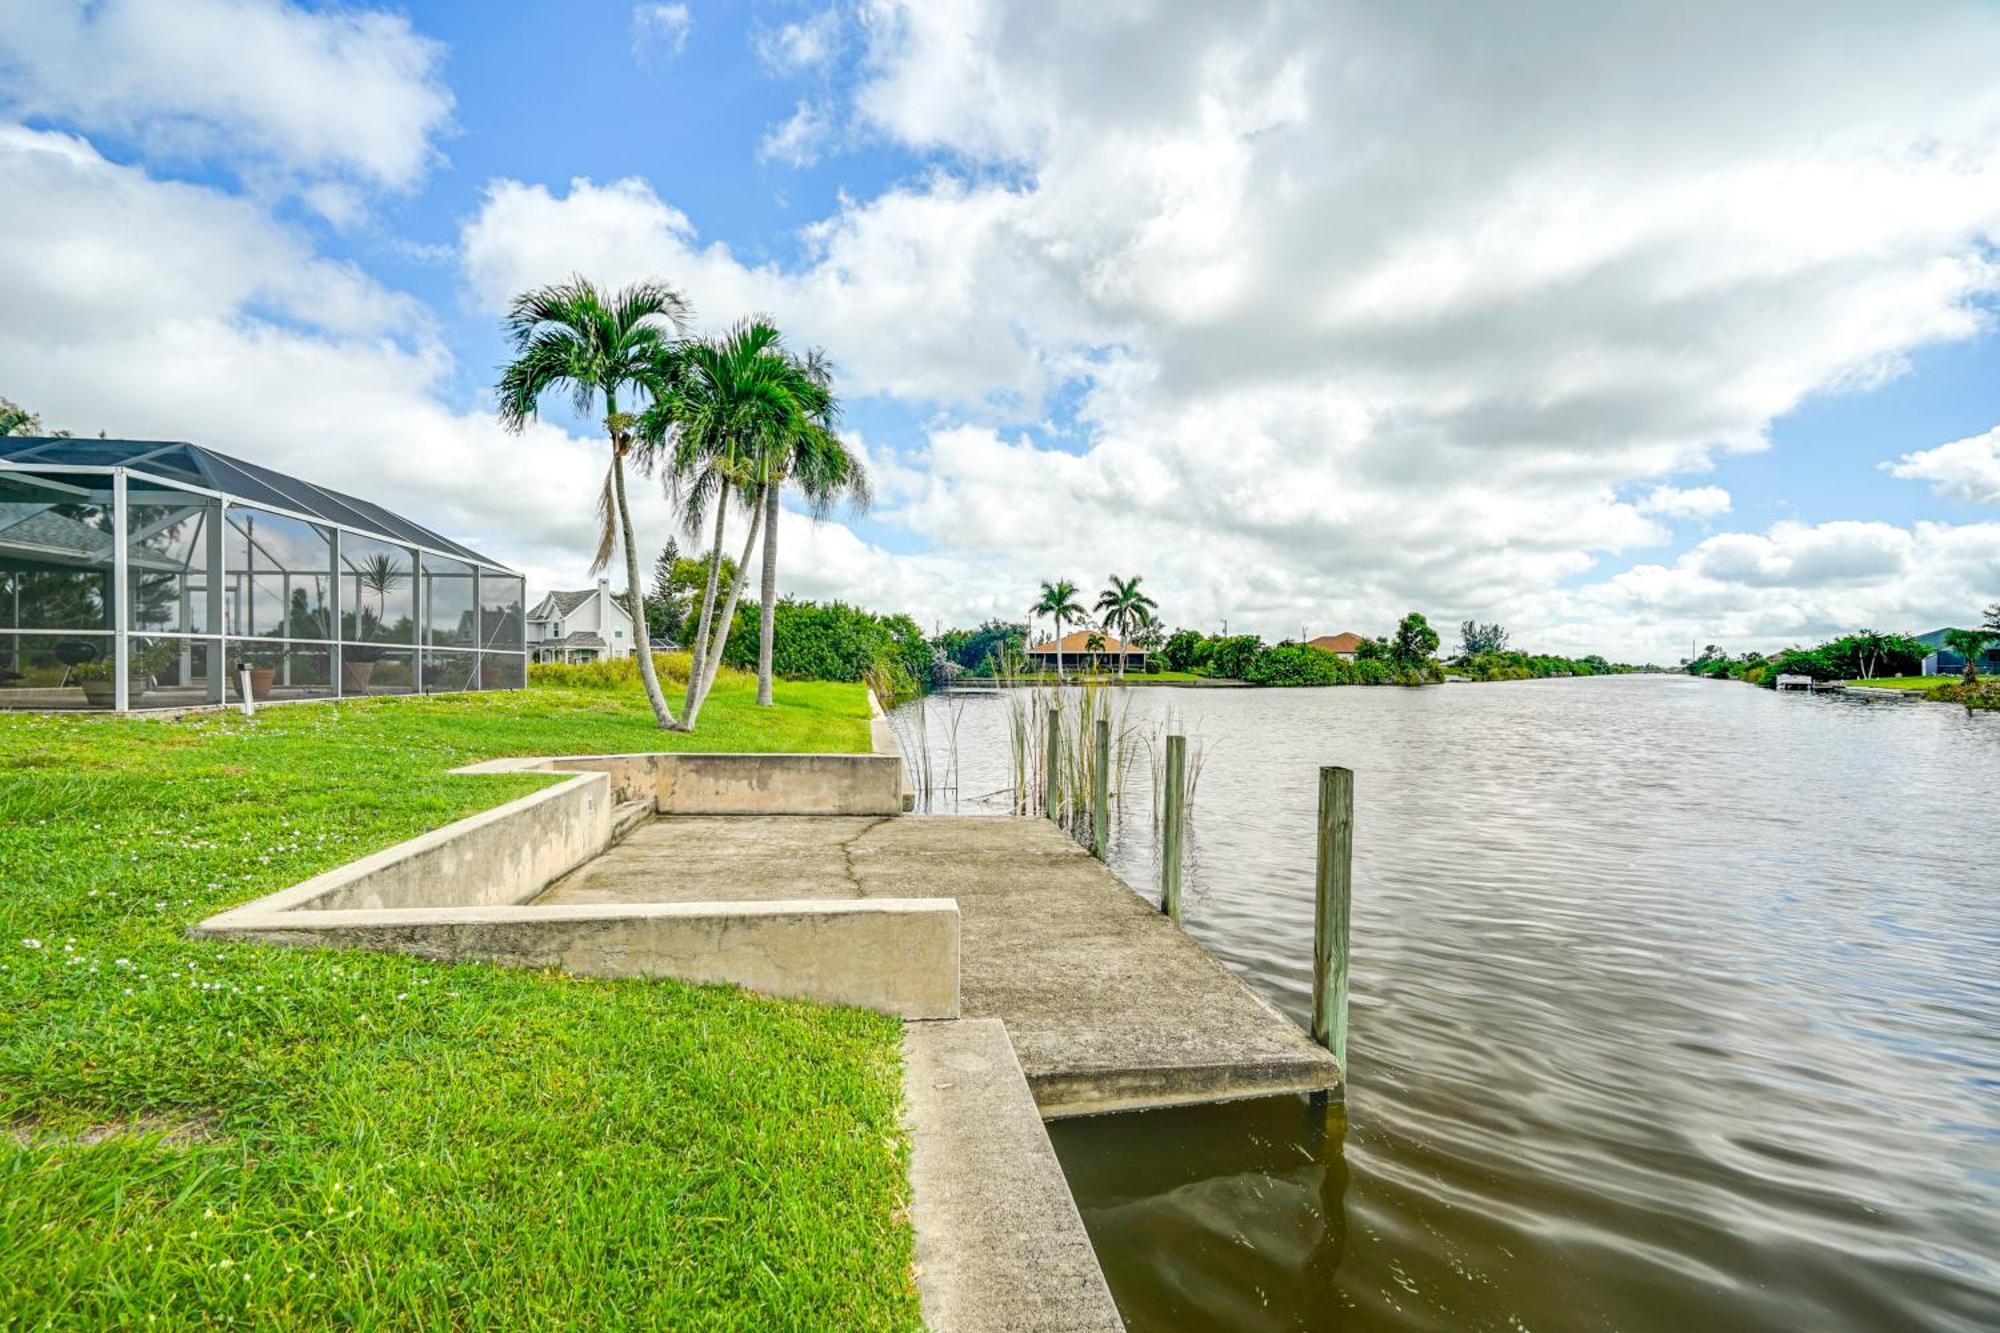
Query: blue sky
{"type": "Point", "coordinates": [1309, 315]}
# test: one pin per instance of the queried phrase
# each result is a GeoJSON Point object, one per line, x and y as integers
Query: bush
{"type": "Point", "coordinates": [1184, 650]}
{"type": "Point", "coordinates": [835, 641]}
{"type": "Point", "coordinates": [1294, 664]}
{"type": "Point", "coordinates": [610, 673]}
{"type": "Point", "coordinates": [1234, 656]}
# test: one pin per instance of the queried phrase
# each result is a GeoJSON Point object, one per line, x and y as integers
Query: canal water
{"type": "Point", "coordinates": [1676, 1006]}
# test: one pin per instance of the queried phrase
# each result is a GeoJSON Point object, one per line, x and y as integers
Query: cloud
{"type": "Point", "coordinates": [1800, 583]}
{"type": "Point", "coordinates": [1354, 310]}
{"type": "Point", "coordinates": [160, 310]}
{"type": "Point", "coordinates": [797, 142]}
{"type": "Point", "coordinates": [1965, 470]}
{"type": "Point", "coordinates": [660, 31]}
{"type": "Point", "coordinates": [804, 44]}
{"type": "Point", "coordinates": [1703, 502]}
{"type": "Point", "coordinates": [262, 85]}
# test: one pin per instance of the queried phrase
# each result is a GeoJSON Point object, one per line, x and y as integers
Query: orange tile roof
{"type": "Point", "coordinates": [1078, 641]}
{"type": "Point", "coordinates": [1344, 642]}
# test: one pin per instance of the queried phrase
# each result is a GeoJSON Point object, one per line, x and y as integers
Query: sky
{"type": "Point", "coordinates": [1629, 327]}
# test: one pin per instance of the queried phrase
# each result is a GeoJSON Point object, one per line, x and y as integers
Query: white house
{"type": "Point", "coordinates": [580, 626]}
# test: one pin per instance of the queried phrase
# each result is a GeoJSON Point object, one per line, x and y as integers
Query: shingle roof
{"type": "Point", "coordinates": [249, 482]}
{"type": "Point", "coordinates": [567, 602]}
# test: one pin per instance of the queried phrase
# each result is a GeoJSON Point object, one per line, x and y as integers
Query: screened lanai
{"type": "Point", "coordinates": [138, 574]}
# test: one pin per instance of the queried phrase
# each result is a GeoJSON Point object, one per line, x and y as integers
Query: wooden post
{"type": "Point", "coordinates": [1174, 816]}
{"type": "Point", "coordinates": [1051, 759]}
{"type": "Point", "coordinates": [1100, 793]}
{"type": "Point", "coordinates": [1334, 887]}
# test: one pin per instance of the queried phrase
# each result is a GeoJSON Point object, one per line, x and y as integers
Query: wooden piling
{"type": "Point", "coordinates": [1100, 793]}
{"type": "Point", "coordinates": [1334, 886]}
{"type": "Point", "coordinates": [1174, 817]}
{"type": "Point", "coordinates": [1051, 770]}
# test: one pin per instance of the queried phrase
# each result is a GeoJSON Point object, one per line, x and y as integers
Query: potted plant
{"type": "Point", "coordinates": [100, 689]}
{"type": "Point", "coordinates": [263, 664]}
{"type": "Point", "coordinates": [357, 666]}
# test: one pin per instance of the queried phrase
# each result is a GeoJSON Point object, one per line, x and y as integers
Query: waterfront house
{"type": "Point", "coordinates": [586, 625]}
{"type": "Point", "coordinates": [1344, 644]}
{"type": "Point", "coordinates": [1086, 648]}
{"type": "Point", "coordinates": [1942, 661]}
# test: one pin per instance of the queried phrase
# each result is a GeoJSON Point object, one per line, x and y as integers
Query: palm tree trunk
{"type": "Point", "coordinates": [1123, 630]}
{"type": "Point", "coordinates": [1059, 667]}
{"type": "Point", "coordinates": [700, 647]}
{"type": "Point", "coordinates": [720, 639]}
{"type": "Point", "coordinates": [767, 617]}
{"type": "Point", "coordinates": [654, 695]}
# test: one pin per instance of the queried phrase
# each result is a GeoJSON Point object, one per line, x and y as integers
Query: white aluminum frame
{"type": "Point", "coordinates": [217, 636]}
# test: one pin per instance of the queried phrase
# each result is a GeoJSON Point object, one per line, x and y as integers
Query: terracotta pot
{"type": "Point", "coordinates": [260, 682]}
{"type": "Point", "coordinates": [354, 676]}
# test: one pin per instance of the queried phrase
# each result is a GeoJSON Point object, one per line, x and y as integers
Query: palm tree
{"type": "Point", "coordinates": [732, 401]}
{"type": "Point", "coordinates": [570, 336]}
{"type": "Point", "coordinates": [380, 574]}
{"type": "Point", "coordinates": [1122, 605]}
{"type": "Point", "coordinates": [1058, 602]}
{"type": "Point", "coordinates": [809, 454]}
{"type": "Point", "coordinates": [1969, 644]}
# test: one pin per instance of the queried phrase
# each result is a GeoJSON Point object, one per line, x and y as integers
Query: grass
{"type": "Point", "coordinates": [1902, 682]}
{"type": "Point", "coordinates": [201, 1134]}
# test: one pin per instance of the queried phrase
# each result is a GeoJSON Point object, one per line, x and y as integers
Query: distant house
{"type": "Point", "coordinates": [1085, 647]}
{"type": "Point", "coordinates": [581, 626]}
{"type": "Point", "coordinates": [1942, 661]}
{"type": "Point", "coordinates": [1343, 644]}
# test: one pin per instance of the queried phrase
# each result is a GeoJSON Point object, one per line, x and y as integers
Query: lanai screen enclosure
{"type": "Point", "coordinates": [138, 574]}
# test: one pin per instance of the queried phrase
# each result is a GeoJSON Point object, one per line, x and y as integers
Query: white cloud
{"type": "Point", "coordinates": [1702, 502]}
{"type": "Point", "coordinates": [1966, 470]}
{"type": "Point", "coordinates": [660, 31]}
{"type": "Point", "coordinates": [803, 44]}
{"type": "Point", "coordinates": [179, 312]}
{"type": "Point", "coordinates": [263, 84]}
{"type": "Point", "coordinates": [798, 141]}
{"type": "Point", "coordinates": [1359, 308]}
{"type": "Point", "coordinates": [1799, 583]}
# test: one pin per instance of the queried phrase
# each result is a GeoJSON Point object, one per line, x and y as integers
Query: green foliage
{"type": "Point", "coordinates": [260, 1137]}
{"type": "Point", "coordinates": [981, 651]}
{"type": "Point", "coordinates": [1858, 656]}
{"type": "Point", "coordinates": [1233, 657]}
{"type": "Point", "coordinates": [1294, 664]}
{"type": "Point", "coordinates": [1969, 644]}
{"type": "Point", "coordinates": [1530, 666]}
{"type": "Point", "coordinates": [1185, 650]}
{"type": "Point", "coordinates": [835, 641]}
{"type": "Point", "coordinates": [1476, 640]}
{"type": "Point", "coordinates": [608, 673]}
{"type": "Point", "coordinates": [1415, 642]}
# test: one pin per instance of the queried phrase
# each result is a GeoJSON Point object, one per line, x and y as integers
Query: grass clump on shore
{"type": "Point", "coordinates": [203, 1134]}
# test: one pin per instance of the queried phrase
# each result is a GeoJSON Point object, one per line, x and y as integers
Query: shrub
{"type": "Point", "coordinates": [1234, 656]}
{"type": "Point", "coordinates": [1184, 650]}
{"type": "Point", "coordinates": [1294, 664]}
{"type": "Point", "coordinates": [835, 641]}
{"type": "Point", "coordinates": [609, 673]}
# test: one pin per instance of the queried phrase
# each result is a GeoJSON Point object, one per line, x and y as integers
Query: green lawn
{"type": "Point", "coordinates": [194, 1134]}
{"type": "Point", "coordinates": [1902, 682]}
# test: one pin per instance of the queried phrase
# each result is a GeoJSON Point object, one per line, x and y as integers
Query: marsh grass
{"type": "Point", "coordinates": [195, 1134]}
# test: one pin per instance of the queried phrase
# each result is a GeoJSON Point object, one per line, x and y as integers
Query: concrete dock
{"type": "Point", "coordinates": [1110, 1006]}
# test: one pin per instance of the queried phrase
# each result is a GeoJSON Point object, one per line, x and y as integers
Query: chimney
{"type": "Point", "coordinates": [604, 589]}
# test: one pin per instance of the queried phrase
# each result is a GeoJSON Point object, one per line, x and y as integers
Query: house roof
{"type": "Point", "coordinates": [1343, 642]}
{"type": "Point", "coordinates": [579, 639]}
{"type": "Point", "coordinates": [566, 602]}
{"type": "Point", "coordinates": [1078, 641]}
{"type": "Point", "coordinates": [177, 460]}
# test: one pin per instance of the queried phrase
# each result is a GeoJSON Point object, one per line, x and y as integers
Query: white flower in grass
{"type": "Point", "coordinates": [31, 944]}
